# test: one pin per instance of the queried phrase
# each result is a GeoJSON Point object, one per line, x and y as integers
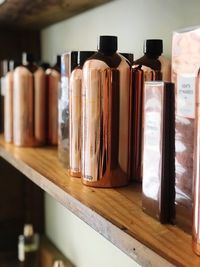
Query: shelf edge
{"type": "Point", "coordinates": [129, 245]}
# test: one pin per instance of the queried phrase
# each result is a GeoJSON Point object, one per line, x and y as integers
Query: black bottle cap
{"type": "Point", "coordinates": [107, 44]}
{"type": "Point", "coordinates": [45, 65]}
{"type": "Point", "coordinates": [74, 59]}
{"type": "Point", "coordinates": [153, 46]}
{"type": "Point", "coordinates": [27, 58]}
{"type": "Point", "coordinates": [83, 56]}
{"type": "Point", "coordinates": [58, 60]}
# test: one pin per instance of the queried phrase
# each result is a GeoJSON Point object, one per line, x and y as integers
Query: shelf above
{"type": "Point", "coordinates": [25, 14]}
{"type": "Point", "coordinates": [114, 213]}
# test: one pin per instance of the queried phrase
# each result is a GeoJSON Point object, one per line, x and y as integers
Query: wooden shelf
{"type": "Point", "coordinates": [20, 14]}
{"type": "Point", "coordinates": [114, 213]}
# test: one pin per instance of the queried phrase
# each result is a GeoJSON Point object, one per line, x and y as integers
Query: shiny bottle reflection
{"type": "Point", "coordinates": [53, 85]}
{"type": "Point", "coordinates": [8, 105]}
{"type": "Point", "coordinates": [75, 114]}
{"type": "Point", "coordinates": [105, 111]}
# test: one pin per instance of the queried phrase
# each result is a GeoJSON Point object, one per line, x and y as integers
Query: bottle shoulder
{"type": "Point", "coordinates": [153, 63]}
{"type": "Point", "coordinates": [100, 61]}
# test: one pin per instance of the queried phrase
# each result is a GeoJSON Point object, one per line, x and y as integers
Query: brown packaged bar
{"type": "Point", "coordinates": [158, 151]}
{"type": "Point", "coordinates": [185, 65]}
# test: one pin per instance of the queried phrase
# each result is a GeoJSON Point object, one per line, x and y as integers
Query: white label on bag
{"type": "Point", "coordinates": [152, 130]}
{"type": "Point", "coordinates": [186, 87]}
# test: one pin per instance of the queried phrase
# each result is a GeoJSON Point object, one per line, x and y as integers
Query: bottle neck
{"type": "Point", "coordinates": [152, 56]}
{"type": "Point", "coordinates": [107, 53]}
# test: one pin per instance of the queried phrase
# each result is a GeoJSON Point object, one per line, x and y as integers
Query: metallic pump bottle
{"type": "Point", "coordinates": [29, 104]}
{"type": "Point", "coordinates": [75, 114]}
{"type": "Point", "coordinates": [105, 117]}
{"type": "Point", "coordinates": [52, 87]}
{"type": "Point", "coordinates": [150, 67]}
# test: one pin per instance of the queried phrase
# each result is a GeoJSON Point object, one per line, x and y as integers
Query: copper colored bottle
{"type": "Point", "coordinates": [52, 85]}
{"type": "Point", "coordinates": [8, 105]}
{"type": "Point", "coordinates": [68, 63]}
{"type": "Point", "coordinates": [29, 104]}
{"type": "Point", "coordinates": [75, 114]}
{"type": "Point", "coordinates": [39, 107]}
{"type": "Point", "coordinates": [149, 67]}
{"type": "Point", "coordinates": [106, 117]}
{"type": "Point", "coordinates": [155, 66]}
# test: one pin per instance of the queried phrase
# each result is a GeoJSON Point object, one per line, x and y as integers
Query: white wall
{"type": "Point", "coordinates": [79, 242]}
{"type": "Point", "coordinates": [132, 21]}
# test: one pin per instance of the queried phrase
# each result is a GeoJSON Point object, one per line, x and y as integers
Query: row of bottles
{"type": "Point", "coordinates": [120, 120]}
{"type": "Point", "coordinates": [105, 123]}
{"type": "Point", "coordinates": [31, 104]}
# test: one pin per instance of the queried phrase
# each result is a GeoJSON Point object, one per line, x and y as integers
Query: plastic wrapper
{"type": "Point", "coordinates": [185, 65]}
{"type": "Point", "coordinates": [158, 151]}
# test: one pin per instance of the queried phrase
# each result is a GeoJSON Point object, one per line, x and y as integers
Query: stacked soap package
{"type": "Point", "coordinates": [158, 156]}
{"type": "Point", "coordinates": [185, 73]}
{"type": "Point", "coordinates": [185, 67]}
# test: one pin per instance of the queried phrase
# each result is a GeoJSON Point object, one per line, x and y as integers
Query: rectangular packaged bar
{"type": "Point", "coordinates": [158, 151]}
{"type": "Point", "coordinates": [185, 65]}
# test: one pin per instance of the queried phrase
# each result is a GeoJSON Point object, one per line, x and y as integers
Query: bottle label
{"type": "Point", "coordinates": [186, 85]}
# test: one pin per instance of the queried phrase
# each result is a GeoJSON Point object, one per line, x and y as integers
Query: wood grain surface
{"type": "Point", "coordinates": [114, 213]}
{"type": "Point", "coordinates": [38, 14]}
